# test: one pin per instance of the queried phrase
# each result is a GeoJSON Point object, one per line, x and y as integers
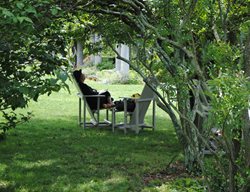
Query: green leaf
{"type": "Point", "coordinates": [62, 76]}
{"type": "Point", "coordinates": [54, 11]}
{"type": "Point", "coordinates": [36, 97]}
{"type": "Point", "coordinates": [31, 9]}
{"type": "Point", "coordinates": [67, 87]}
{"type": "Point", "coordinates": [22, 19]}
{"type": "Point", "coordinates": [6, 12]}
{"type": "Point", "coordinates": [24, 90]}
{"type": "Point", "coordinates": [53, 81]}
{"type": "Point", "coordinates": [15, 20]}
{"type": "Point", "coordinates": [20, 5]}
{"type": "Point", "coordinates": [28, 20]}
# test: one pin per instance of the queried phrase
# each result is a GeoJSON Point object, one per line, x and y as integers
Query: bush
{"type": "Point", "coordinates": [114, 77]}
{"type": "Point", "coordinates": [229, 94]}
{"type": "Point", "coordinates": [107, 63]}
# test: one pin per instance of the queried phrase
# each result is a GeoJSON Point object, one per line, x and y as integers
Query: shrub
{"type": "Point", "coordinates": [114, 77]}
{"type": "Point", "coordinates": [107, 63]}
{"type": "Point", "coordinates": [229, 95]}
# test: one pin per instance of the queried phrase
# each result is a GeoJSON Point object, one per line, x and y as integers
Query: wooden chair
{"type": "Point", "coordinates": [135, 120]}
{"type": "Point", "coordinates": [94, 113]}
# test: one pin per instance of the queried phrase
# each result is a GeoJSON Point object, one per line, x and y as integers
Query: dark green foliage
{"type": "Point", "coordinates": [191, 185]}
{"type": "Point", "coordinates": [107, 63]}
{"type": "Point", "coordinates": [229, 100]}
{"type": "Point", "coordinates": [32, 50]}
{"type": "Point", "coordinates": [215, 175]}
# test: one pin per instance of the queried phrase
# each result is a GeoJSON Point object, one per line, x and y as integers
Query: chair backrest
{"type": "Point", "coordinates": [80, 94]}
{"type": "Point", "coordinates": [76, 85]}
{"type": "Point", "coordinates": [147, 95]}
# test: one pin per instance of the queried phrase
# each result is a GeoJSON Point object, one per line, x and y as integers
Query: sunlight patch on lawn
{"type": "Point", "coordinates": [37, 164]}
{"type": "Point", "coordinates": [115, 183]}
{"type": "Point", "coordinates": [166, 187]}
{"type": "Point", "coordinates": [4, 185]}
{"type": "Point", "coordinates": [2, 167]}
{"type": "Point", "coordinates": [22, 189]}
{"type": "Point", "coordinates": [162, 188]}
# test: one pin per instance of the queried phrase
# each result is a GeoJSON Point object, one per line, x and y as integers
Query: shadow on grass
{"type": "Point", "coordinates": [49, 155]}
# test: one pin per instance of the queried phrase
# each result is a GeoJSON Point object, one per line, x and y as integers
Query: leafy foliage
{"type": "Point", "coordinates": [229, 100]}
{"type": "Point", "coordinates": [32, 50]}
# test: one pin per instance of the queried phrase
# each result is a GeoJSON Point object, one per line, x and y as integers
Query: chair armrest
{"type": "Point", "coordinates": [138, 99]}
{"type": "Point", "coordinates": [94, 96]}
{"type": "Point", "coordinates": [81, 95]}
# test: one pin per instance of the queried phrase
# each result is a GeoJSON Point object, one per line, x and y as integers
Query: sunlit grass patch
{"type": "Point", "coordinates": [6, 186]}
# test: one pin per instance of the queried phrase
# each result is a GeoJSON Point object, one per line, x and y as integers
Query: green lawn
{"type": "Point", "coordinates": [51, 153]}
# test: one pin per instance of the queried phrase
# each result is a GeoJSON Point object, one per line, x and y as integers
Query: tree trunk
{"type": "Point", "coordinates": [231, 177]}
{"type": "Point", "coordinates": [191, 143]}
{"type": "Point", "coordinates": [246, 131]}
{"type": "Point", "coordinates": [247, 139]}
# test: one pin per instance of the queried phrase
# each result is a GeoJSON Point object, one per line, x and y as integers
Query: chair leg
{"type": "Point", "coordinates": [153, 115]}
{"type": "Point", "coordinates": [107, 114]}
{"type": "Point", "coordinates": [80, 112]}
{"type": "Point", "coordinates": [113, 120]}
{"type": "Point", "coordinates": [84, 115]}
{"type": "Point", "coordinates": [137, 118]}
{"type": "Point", "coordinates": [125, 116]}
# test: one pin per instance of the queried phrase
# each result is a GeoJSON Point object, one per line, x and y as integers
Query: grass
{"type": "Point", "coordinates": [51, 153]}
